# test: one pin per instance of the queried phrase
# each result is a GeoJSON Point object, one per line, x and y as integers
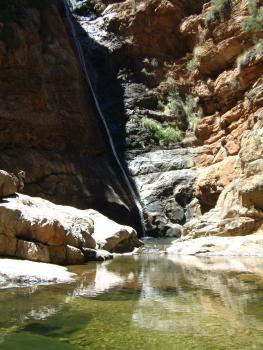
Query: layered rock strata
{"type": "Point", "coordinates": [48, 120]}
{"type": "Point", "coordinates": [154, 55]}
{"type": "Point", "coordinates": [35, 229]}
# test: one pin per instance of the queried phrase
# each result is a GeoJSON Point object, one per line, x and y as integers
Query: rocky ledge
{"type": "Point", "coordinates": [251, 245]}
{"type": "Point", "coordinates": [38, 230]}
{"type": "Point", "coordinates": [16, 273]}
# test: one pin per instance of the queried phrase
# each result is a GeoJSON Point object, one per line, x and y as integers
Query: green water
{"type": "Point", "coordinates": [138, 303]}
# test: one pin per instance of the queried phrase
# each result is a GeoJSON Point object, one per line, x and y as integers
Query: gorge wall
{"type": "Point", "coordinates": [181, 85]}
{"type": "Point", "coordinates": [48, 120]}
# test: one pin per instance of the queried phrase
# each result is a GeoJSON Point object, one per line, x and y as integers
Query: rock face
{"type": "Point", "coordinates": [180, 84]}
{"type": "Point", "coordinates": [8, 184]}
{"type": "Point", "coordinates": [48, 120]}
{"type": "Point", "coordinates": [165, 180]}
{"type": "Point", "coordinates": [38, 230]}
{"type": "Point", "coordinates": [198, 68]}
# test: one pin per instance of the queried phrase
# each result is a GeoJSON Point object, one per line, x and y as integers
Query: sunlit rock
{"type": "Point", "coordinates": [111, 236]}
{"type": "Point", "coordinates": [18, 273]}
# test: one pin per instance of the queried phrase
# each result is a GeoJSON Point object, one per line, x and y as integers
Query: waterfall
{"type": "Point", "coordinates": [70, 4]}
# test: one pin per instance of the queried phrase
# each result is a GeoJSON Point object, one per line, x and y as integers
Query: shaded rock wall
{"type": "Point", "coordinates": [48, 122]}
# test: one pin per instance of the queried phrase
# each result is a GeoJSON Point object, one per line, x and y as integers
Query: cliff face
{"type": "Point", "coordinates": [49, 126]}
{"type": "Point", "coordinates": [189, 124]}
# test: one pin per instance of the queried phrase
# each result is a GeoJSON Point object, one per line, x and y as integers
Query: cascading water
{"type": "Point", "coordinates": [71, 4]}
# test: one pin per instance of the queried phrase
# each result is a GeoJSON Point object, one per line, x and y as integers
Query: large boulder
{"type": "Point", "coordinates": [38, 230]}
{"type": "Point", "coordinates": [111, 236]}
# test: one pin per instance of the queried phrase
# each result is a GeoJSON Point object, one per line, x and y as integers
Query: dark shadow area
{"type": "Point", "coordinates": [102, 69]}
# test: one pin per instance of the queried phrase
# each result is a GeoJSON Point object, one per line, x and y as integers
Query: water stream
{"type": "Point", "coordinates": [151, 301]}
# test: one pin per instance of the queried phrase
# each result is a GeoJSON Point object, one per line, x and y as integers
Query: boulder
{"type": "Point", "coordinates": [174, 230]}
{"type": "Point", "coordinates": [96, 254]}
{"type": "Point", "coordinates": [8, 184]}
{"type": "Point", "coordinates": [38, 230]}
{"type": "Point", "coordinates": [111, 236]}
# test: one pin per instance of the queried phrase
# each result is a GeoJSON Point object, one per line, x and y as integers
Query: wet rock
{"type": "Point", "coordinates": [96, 254]}
{"type": "Point", "coordinates": [158, 192]}
{"type": "Point", "coordinates": [174, 230]}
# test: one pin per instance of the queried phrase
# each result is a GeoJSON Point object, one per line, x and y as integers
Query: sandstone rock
{"type": "Point", "coordinates": [214, 178]}
{"type": "Point", "coordinates": [96, 254]}
{"type": "Point", "coordinates": [8, 184]}
{"type": "Point", "coordinates": [74, 256]}
{"type": "Point", "coordinates": [238, 211]}
{"type": "Point", "coordinates": [227, 134]}
{"type": "Point", "coordinates": [193, 210]}
{"type": "Point", "coordinates": [251, 191]}
{"type": "Point", "coordinates": [46, 222]}
{"type": "Point", "coordinates": [43, 230]}
{"type": "Point", "coordinates": [251, 245]}
{"type": "Point", "coordinates": [32, 251]}
{"type": "Point", "coordinates": [111, 236]}
{"type": "Point", "coordinates": [50, 127]}
{"type": "Point", "coordinates": [19, 273]}
{"type": "Point", "coordinates": [38, 230]}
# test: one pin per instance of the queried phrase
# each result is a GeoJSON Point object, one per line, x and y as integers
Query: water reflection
{"type": "Point", "coordinates": [199, 302]}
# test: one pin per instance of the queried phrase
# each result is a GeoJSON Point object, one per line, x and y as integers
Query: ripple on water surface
{"type": "Point", "coordinates": [141, 302]}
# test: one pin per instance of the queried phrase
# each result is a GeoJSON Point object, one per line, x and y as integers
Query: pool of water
{"type": "Point", "coordinates": [141, 302]}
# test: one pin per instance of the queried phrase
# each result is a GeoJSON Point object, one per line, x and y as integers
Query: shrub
{"type": "Point", "coordinates": [175, 103]}
{"type": "Point", "coordinates": [187, 109]}
{"type": "Point", "coordinates": [255, 22]}
{"type": "Point", "coordinates": [192, 64]}
{"type": "Point", "coordinates": [249, 55]}
{"type": "Point", "coordinates": [252, 6]}
{"type": "Point", "coordinates": [218, 9]}
{"type": "Point", "coordinates": [164, 135]}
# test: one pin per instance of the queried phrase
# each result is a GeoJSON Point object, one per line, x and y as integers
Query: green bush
{"type": "Point", "coordinates": [255, 22]}
{"type": "Point", "coordinates": [219, 8]}
{"type": "Point", "coordinates": [175, 103]}
{"type": "Point", "coordinates": [187, 109]}
{"type": "Point", "coordinates": [192, 64]}
{"type": "Point", "coordinates": [249, 55]}
{"type": "Point", "coordinates": [164, 135]}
